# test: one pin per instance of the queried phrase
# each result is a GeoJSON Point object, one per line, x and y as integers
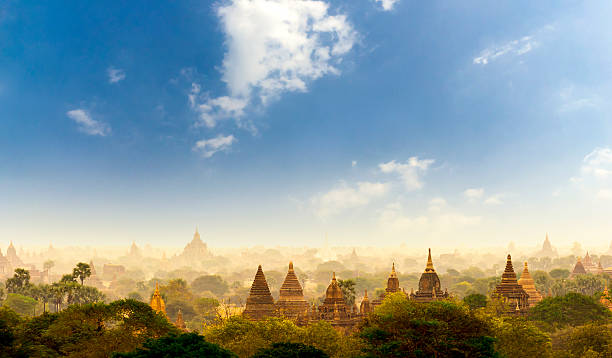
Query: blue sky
{"type": "Point", "coordinates": [276, 121]}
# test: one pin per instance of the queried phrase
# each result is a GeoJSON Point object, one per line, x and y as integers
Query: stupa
{"type": "Point", "coordinates": [157, 302]}
{"type": "Point", "coordinates": [529, 286]}
{"type": "Point", "coordinates": [429, 285]}
{"type": "Point", "coordinates": [291, 302]}
{"type": "Point", "coordinates": [578, 269]}
{"type": "Point", "coordinates": [260, 303]}
{"type": "Point", "coordinates": [510, 290]}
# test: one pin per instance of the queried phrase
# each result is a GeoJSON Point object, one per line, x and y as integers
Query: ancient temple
{"type": "Point", "coordinates": [291, 302]}
{"type": "Point", "coordinates": [134, 250]}
{"type": "Point", "coordinates": [529, 286]}
{"type": "Point", "coordinates": [429, 285]}
{"type": "Point", "coordinates": [196, 250]}
{"type": "Point", "coordinates": [5, 268]}
{"type": "Point", "coordinates": [510, 290]}
{"type": "Point", "coordinates": [365, 306]}
{"type": "Point", "coordinates": [605, 298]}
{"type": "Point", "coordinates": [157, 302]}
{"type": "Point", "coordinates": [180, 323]}
{"type": "Point", "coordinates": [547, 249]}
{"type": "Point", "coordinates": [393, 286]}
{"type": "Point", "coordinates": [13, 259]}
{"type": "Point", "coordinates": [335, 310]}
{"type": "Point", "coordinates": [589, 265]}
{"type": "Point", "coordinates": [93, 279]}
{"type": "Point", "coordinates": [578, 269]}
{"type": "Point", "coordinates": [260, 303]}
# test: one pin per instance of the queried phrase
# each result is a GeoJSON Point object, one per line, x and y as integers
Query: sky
{"type": "Point", "coordinates": [283, 122]}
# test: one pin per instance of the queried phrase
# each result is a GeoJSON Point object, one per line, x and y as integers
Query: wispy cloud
{"type": "Point", "coordinates": [387, 5]}
{"type": "Point", "coordinates": [115, 74]}
{"type": "Point", "coordinates": [516, 48]}
{"type": "Point", "coordinates": [596, 173]}
{"type": "Point", "coordinates": [473, 193]}
{"type": "Point", "coordinates": [496, 199]}
{"type": "Point", "coordinates": [345, 197]}
{"type": "Point", "coordinates": [208, 147]}
{"type": "Point", "coordinates": [88, 125]}
{"type": "Point", "coordinates": [410, 172]}
{"type": "Point", "coordinates": [574, 99]}
{"type": "Point", "coordinates": [273, 47]}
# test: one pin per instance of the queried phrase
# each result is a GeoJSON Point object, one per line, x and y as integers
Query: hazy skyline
{"type": "Point", "coordinates": [276, 122]}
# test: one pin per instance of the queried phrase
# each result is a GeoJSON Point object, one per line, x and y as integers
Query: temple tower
{"type": "Point", "coordinates": [365, 306]}
{"type": "Point", "coordinates": [334, 308]}
{"type": "Point", "coordinates": [429, 285]}
{"type": "Point", "coordinates": [578, 269]}
{"type": "Point", "coordinates": [510, 290]}
{"type": "Point", "coordinates": [157, 302]}
{"type": "Point", "coordinates": [291, 300]}
{"type": "Point", "coordinates": [180, 323]}
{"type": "Point", "coordinates": [529, 286]}
{"type": "Point", "coordinates": [260, 303]}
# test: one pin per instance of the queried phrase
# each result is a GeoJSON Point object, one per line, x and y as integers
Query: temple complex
{"type": "Point", "coordinates": [578, 269]}
{"type": "Point", "coordinates": [157, 302]}
{"type": "Point", "coordinates": [529, 286]}
{"type": "Point", "coordinates": [260, 303]}
{"type": "Point", "coordinates": [392, 287]}
{"type": "Point", "coordinates": [429, 285]}
{"type": "Point", "coordinates": [605, 298]}
{"type": "Point", "coordinates": [195, 251]}
{"type": "Point", "coordinates": [547, 249]}
{"type": "Point", "coordinates": [291, 302]}
{"type": "Point", "coordinates": [510, 290]}
{"type": "Point", "coordinates": [365, 306]}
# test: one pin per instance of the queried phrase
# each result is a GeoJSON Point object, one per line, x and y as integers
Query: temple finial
{"type": "Point", "coordinates": [429, 266]}
{"type": "Point", "coordinates": [291, 265]}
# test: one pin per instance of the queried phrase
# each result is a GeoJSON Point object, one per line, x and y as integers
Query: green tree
{"type": "Point", "coordinates": [559, 273]}
{"type": "Point", "coordinates": [290, 350]}
{"type": "Point", "coordinates": [81, 271]}
{"type": "Point", "coordinates": [212, 283]}
{"type": "Point", "coordinates": [583, 341]}
{"type": "Point", "coordinates": [348, 291]}
{"type": "Point", "coordinates": [403, 328]}
{"type": "Point", "coordinates": [21, 304]}
{"type": "Point", "coordinates": [187, 345]}
{"type": "Point", "coordinates": [67, 278]}
{"type": "Point", "coordinates": [475, 301]}
{"type": "Point", "coordinates": [19, 282]}
{"type": "Point", "coordinates": [48, 265]}
{"type": "Point", "coordinates": [572, 309]}
{"type": "Point", "coordinates": [518, 338]}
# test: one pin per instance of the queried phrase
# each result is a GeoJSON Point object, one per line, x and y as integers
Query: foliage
{"type": "Point", "coordinates": [573, 309]}
{"type": "Point", "coordinates": [403, 328]}
{"type": "Point", "coordinates": [187, 345]}
{"type": "Point", "coordinates": [518, 338]}
{"type": "Point", "coordinates": [584, 341]}
{"type": "Point", "coordinates": [81, 271]}
{"type": "Point", "coordinates": [212, 283]}
{"type": "Point", "coordinates": [21, 304]}
{"type": "Point", "coordinates": [19, 282]}
{"type": "Point", "coordinates": [290, 350]}
{"type": "Point", "coordinates": [475, 301]}
{"type": "Point", "coordinates": [559, 273]}
{"type": "Point", "coordinates": [348, 291]}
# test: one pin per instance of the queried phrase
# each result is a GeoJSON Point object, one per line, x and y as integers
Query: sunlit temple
{"type": "Point", "coordinates": [517, 299]}
{"type": "Point", "coordinates": [526, 281]}
{"type": "Point", "coordinates": [429, 285]}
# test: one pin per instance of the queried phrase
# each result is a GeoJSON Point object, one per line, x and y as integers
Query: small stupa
{"type": "Point", "coordinates": [529, 286]}
{"type": "Point", "coordinates": [260, 303]}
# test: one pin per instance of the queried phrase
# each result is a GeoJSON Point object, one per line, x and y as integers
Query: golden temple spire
{"type": "Point", "coordinates": [365, 296]}
{"type": "Point", "coordinates": [290, 265]}
{"type": "Point", "coordinates": [157, 302]}
{"type": "Point", "coordinates": [393, 273]}
{"type": "Point", "coordinates": [429, 267]}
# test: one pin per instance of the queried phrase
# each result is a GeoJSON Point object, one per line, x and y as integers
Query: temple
{"type": "Point", "coordinates": [260, 303]}
{"type": "Point", "coordinates": [393, 286]}
{"type": "Point", "coordinates": [547, 249]}
{"type": "Point", "coordinates": [195, 251]}
{"type": "Point", "coordinates": [529, 286]}
{"type": "Point", "coordinates": [429, 285]}
{"type": "Point", "coordinates": [605, 298]}
{"type": "Point", "coordinates": [578, 269]}
{"type": "Point", "coordinates": [291, 302]}
{"type": "Point", "coordinates": [180, 323]}
{"type": "Point", "coordinates": [157, 302]}
{"type": "Point", "coordinates": [509, 289]}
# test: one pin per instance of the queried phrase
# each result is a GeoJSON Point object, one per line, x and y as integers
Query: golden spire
{"type": "Point", "coordinates": [365, 296]}
{"type": "Point", "coordinates": [393, 273]}
{"type": "Point", "coordinates": [157, 302]}
{"type": "Point", "coordinates": [334, 276]}
{"type": "Point", "coordinates": [290, 265]}
{"type": "Point", "coordinates": [429, 267]}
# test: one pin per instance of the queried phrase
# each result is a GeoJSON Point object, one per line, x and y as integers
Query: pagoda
{"type": "Point", "coordinates": [180, 323]}
{"type": "Point", "coordinates": [529, 286]}
{"type": "Point", "coordinates": [195, 251]}
{"type": "Point", "coordinates": [260, 303]}
{"type": "Point", "coordinates": [157, 302]}
{"type": "Point", "coordinates": [510, 290]}
{"type": "Point", "coordinates": [392, 286]}
{"type": "Point", "coordinates": [291, 302]}
{"type": "Point", "coordinates": [334, 308]}
{"type": "Point", "coordinates": [578, 269]}
{"type": "Point", "coordinates": [547, 249]}
{"type": "Point", "coordinates": [365, 306]}
{"type": "Point", "coordinates": [429, 285]}
{"type": "Point", "coordinates": [605, 298]}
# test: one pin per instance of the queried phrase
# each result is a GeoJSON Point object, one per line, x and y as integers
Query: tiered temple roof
{"type": "Point", "coordinates": [605, 298]}
{"type": "Point", "coordinates": [578, 269]}
{"type": "Point", "coordinates": [260, 303]}
{"type": "Point", "coordinates": [511, 291]}
{"type": "Point", "coordinates": [291, 302]}
{"type": "Point", "coordinates": [393, 286]}
{"type": "Point", "coordinates": [180, 323]}
{"type": "Point", "coordinates": [429, 285]}
{"type": "Point", "coordinates": [529, 286]}
{"type": "Point", "coordinates": [365, 306]}
{"type": "Point", "coordinates": [334, 308]}
{"type": "Point", "coordinates": [157, 302]}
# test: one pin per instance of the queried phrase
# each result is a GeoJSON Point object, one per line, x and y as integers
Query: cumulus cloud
{"type": "Point", "coordinates": [345, 197]}
{"type": "Point", "coordinates": [410, 172]}
{"type": "Point", "coordinates": [516, 48]}
{"type": "Point", "coordinates": [494, 199]}
{"type": "Point", "coordinates": [473, 193]}
{"type": "Point", "coordinates": [88, 125]}
{"type": "Point", "coordinates": [598, 164]}
{"type": "Point", "coordinates": [115, 74]}
{"type": "Point", "coordinates": [208, 147]}
{"type": "Point", "coordinates": [273, 47]}
{"type": "Point", "coordinates": [387, 5]}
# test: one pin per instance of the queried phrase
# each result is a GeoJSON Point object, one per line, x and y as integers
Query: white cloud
{"type": "Point", "coordinates": [274, 46]}
{"type": "Point", "coordinates": [410, 172]}
{"type": "Point", "coordinates": [88, 125]}
{"type": "Point", "coordinates": [495, 199]}
{"type": "Point", "coordinates": [354, 163]}
{"type": "Point", "coordinates": [387, 5]}
{"type": "Point", "coordinates": [598, 164]}
{"type": "Point", "coordinates": [473, 193]}
{"type": "Point", "coordinates": [208, 147]}
{"type": "Point", "coordinates": [604, 194]}
{"type": "Point", "coordinates": [575, 99]}
{"type": "Point", "coordinates": [516, 47]}
{"type": "Point", "coordinates": [115, 74]}
{"type": "Point", "coordinates": [345, 197]}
